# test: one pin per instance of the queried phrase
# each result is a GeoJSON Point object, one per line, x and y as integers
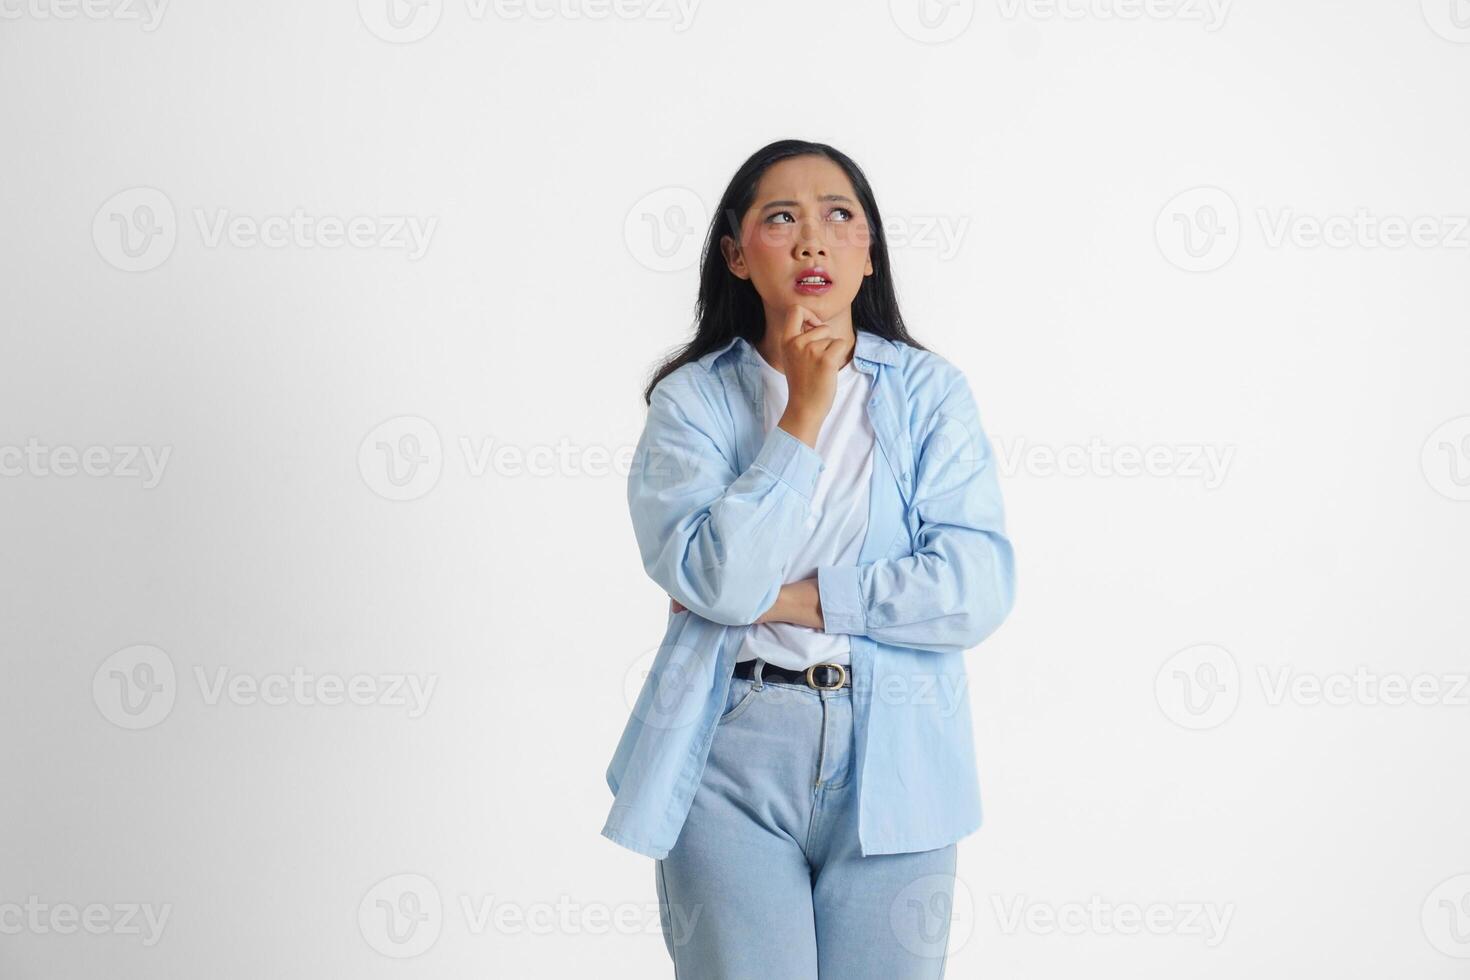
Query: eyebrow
{"type": "Point", "coordinates": [797, 204]}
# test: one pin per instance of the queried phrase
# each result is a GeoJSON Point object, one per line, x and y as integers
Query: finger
{"type": "Point", "coordinates": [826, 332]}
{"type": "Point", "coordinates": [796, 319]}
{"type": "Point", "coordinates": [836, 352]}
{"type": "Point", "coordinates": [812, 353]}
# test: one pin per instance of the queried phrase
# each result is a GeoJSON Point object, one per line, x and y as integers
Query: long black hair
{"type": "Point", "coordinates": [729, 306]}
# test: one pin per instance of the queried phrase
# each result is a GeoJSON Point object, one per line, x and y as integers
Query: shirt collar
{"type": "Point", "coordinates": [869, 346]}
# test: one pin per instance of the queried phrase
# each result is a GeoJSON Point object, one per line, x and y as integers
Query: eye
{"type": "Point", "coordinates": [771, 218]}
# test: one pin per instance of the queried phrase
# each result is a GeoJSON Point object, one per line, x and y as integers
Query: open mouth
{"type": "Point", "coordinates": [813, 280]}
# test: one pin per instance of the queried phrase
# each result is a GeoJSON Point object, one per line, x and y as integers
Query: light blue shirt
{"type": "Point", "coordinates": [718, 506]}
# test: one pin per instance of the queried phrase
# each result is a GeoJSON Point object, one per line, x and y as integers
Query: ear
{"type": "Point", "coordinates": [734, 257]}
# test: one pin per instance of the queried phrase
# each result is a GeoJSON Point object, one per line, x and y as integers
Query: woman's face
{"type": "Point", "coordinates": [805, 216]}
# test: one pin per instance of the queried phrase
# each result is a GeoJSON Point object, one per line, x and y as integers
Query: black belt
{"type": "Point", "coordinates": [823, 677]}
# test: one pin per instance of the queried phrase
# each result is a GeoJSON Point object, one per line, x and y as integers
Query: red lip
{"type": "Point", "coordinates": [812, 288]}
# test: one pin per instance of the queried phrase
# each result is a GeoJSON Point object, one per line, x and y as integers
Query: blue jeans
{"type": "Point", "coordinates": [766, 880]}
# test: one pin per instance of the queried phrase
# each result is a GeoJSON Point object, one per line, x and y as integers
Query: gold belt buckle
{"type": "Point", "coordinates": [841, 677]}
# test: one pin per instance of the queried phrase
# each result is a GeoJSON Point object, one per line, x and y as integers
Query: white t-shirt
{"type": "Point", "coordinates": [838, 520]}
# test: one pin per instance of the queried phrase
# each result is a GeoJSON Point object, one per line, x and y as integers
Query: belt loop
{"type": "Point", "coordinates": [755, 673]}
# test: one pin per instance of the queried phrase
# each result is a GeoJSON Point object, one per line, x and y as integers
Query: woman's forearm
{"type": "Point", "coordinates": [797, 602]}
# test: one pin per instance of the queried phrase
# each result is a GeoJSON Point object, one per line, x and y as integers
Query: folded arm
{"type": "Point", "coordinates": [715, 540]}
{"type": "Point", "coordinates": [959, 585]}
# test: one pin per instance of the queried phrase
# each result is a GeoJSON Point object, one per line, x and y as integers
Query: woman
{"type": "Point", "coordinates": [815, 493]}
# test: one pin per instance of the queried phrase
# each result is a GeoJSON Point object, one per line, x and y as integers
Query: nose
{"type": "Point", "coordinates": [809, 241]}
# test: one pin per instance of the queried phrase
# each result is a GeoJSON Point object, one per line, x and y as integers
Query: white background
{"type": "Point", "coordinates": [1048, 163]}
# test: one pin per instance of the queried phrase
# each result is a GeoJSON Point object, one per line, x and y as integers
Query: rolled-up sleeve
{"type": "Point", "coordinates": [716, 540]}
{"type": "Point", "coordinates": [959, 584]}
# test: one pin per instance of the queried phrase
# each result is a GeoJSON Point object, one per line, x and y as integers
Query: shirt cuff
{"type": "Point", "coordinates": [841, 599]}
{"type": "Point", "coordinates": [791, 461]}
